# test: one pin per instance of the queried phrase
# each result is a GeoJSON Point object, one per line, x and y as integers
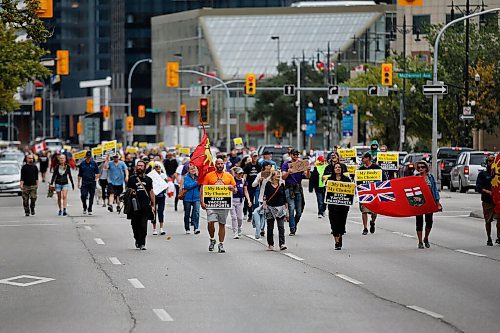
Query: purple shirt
{"type": "Point", "coordinates": [293, 178]}
{"type": "Point", "coordinates": [240, 184]}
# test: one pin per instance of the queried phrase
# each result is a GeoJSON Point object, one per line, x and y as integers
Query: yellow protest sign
{"type": "Point", "coordinates": [217, 196]}
{"type": "Point", "coordinates": [119, 145]}
{"type": "Point", "coordinates": [135, 144]}
{"type": "Point", "coordinates": [67, 148]}
{"type": "Point", "coordinates": [132, 150]}
{"type": "Point", "coordinates": [185, 151]}
{"type": "Point", "coordinates": [347, 153]}
{"type": "Point", "coordinates": [238, 143]}
{"type": "Point", "coordinates": [388, 160]}
{"type": "Point", "coordinates": [97, 151]}
{"type": "Point", "coordinates": [161, 144]}
{"type": "Point", "coordinates": [368, 175]}
{"type": "Point", "coordinates": [339, 193]}
{"type": "Point", "coordinates": [109, 148]}
{"type": "Point", "coordinates": [143, 144]}
{"type": "Point", "coordinates": [351, 168]}
{"type": "Point", "coordinates": [178, 146]}
{"type": "Point", "coordinates": [81, 154]}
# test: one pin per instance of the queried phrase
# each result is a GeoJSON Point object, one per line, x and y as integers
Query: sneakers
{"type": "Point", "coordinates": [338, 246]}
{"type": "Point", "coordinates": [497, 241]}
{"type": "Point", "coordinates": [489, 242]}
{"type": "Point", "coordinates": [104, 205]}
{"type": "Point", "coordinates": [84, 212]}
{"type": "Point", "coordinates": [155, 232]}
{"type": "Point", "coordinates": [283, 247]}
{"type": "Point", "coordinates": [320, 216]}
{"type": "Point", "coordinates": [90, 212]}
{"type": "Point", "coordinates": [118, 209]}
{"type": "Point", "coordinates": [221, 248]}
{"type": "Point", "coordinates": [421, 245]}
{"type": "Point", "coordinates": [427, 244]}
{"type": "Point", "coordinates": [270, 248]}
{"type": "Point", "coordinates": [211, 246]}
{"type": "Point", "coordinates": [262, 233]}
{"type": "Point", "coordinates": [28, 213]}
{"type": "Point", "coordinates": [365, 231]}
{"type": "Point", "coordinates": [110, 208]}
{"type": "Point", "coordinates": [60, 213]}
{"type": "Point", "coordinates": [162, 232]}
{"type": "Point", "coordinates": [197, 231]}
{"type": "Point", "coordinates": [235, 236]}
{"type": "Point", "coordinates": [142, 247]}
{"type": "Point", "coordinates": [372, 227]}
{"type": "Point", "coordinates": [32, 211]}
{"type": "Point", "coordinates": [64, 212]}
{"type": "Point", "coordinates": [292, 233]}
{"type": "Point", "coordinates": [188, 232]}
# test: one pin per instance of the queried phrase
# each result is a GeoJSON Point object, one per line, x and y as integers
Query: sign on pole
{"type": "Point", "coordinates": [289, 90]}
{"type": "Point", "coordinates": [435, 89]}
{"type": "Point", "coordinates": [415, 75]}
{"type": "Point", "coordinates": [333, 92]}
{"type": "Point", "coordinates": [205, 90]}
{"type": "Point", "coordinates": [372, 90]}
{"type": "Point", "coordinates": [383, 91]}
{"type": "Point", "coordinates": [343, 91]}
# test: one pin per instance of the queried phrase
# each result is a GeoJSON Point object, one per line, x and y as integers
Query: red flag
{"type": "Point", "coordinates": [39, 147]}
{"type": "Point", "coordinates": [202, 157]}
{"type": "Point", "coordinates": [401, 197]}
{"type": "Point", "coordinates": [495, 183]}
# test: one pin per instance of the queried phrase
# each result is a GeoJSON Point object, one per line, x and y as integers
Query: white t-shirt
{"type": "Point", "coordinates": [178, 171]}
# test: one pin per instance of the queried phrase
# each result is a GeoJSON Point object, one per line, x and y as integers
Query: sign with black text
{"type": "Point", "coordinates": [217, 196]}
{"type": "Point", "coordinates": [339, 193]}
{"type": "Point", "coordinates": [388, 160]}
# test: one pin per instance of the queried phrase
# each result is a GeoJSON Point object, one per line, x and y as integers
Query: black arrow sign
{"type": "Point", "coordinates": [372, 90]}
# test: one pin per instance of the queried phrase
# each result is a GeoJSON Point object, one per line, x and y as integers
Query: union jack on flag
{"type": "Point", "coordinates": [369, 191]}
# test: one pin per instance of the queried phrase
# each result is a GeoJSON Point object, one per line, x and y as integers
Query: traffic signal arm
{"type": "Point", "coordinates": [386, 75]}
{"type": "Point", "coordinates": [204, 110]}
{"type": "Point", "coordinates": [250, 84]}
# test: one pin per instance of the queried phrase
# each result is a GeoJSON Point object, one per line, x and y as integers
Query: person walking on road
{"type": "Point", "coordinates": [251, 170]}
{"type": "Point", "coordinates": [423, 168]}
{"type": "Point", "coordinates": [276, 208]}
{"type": "Point", "coordinates": [368, 165]}
{"type": "Point", "coordinates": [43, 159]}
{"type": "Point", "coordinates": [259, 183]}
{"type": "Point", "coordinates": [318, 184]}
{"type": "Point", "coordinates": [143, 187]}
{"type": "Point", "coordinates": [159, 201]}
{"type": "Point", "coordinates": [217, 177]}
{"type": "Point", "coordinates": [60, 181]}
{"type": "Point", "coordinates": [103, 181]}
{"type": "Point", "coordinates": [88, 174]}
{"type": "Point", "coordinates": [483, 186]}
{"type": "Point", "coordinates": [117, 176]}
{"type": "Point", "coordinates": [294, 191]}
{"type": "Point", "coordinates": [191, 201]}
{"type": "Point", "coordinates": [337, 214]}
{"type": "Point", "coordinates": [29, 185]}
{"type": "Point", "coordinates": [239, 198]}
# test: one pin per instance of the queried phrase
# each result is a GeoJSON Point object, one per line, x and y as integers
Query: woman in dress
{"type": "Point", "coordinates": [60, 180]}
{"type": "Point", "coordinates": [337, 214]}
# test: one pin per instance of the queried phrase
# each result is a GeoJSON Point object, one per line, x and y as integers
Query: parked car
{"type": "Point", "coordinates": [54, 145]}
{"type": "Point", "coordinates": [463, 175]}
{"type": "Point", "coordinates": [277, 150]}
{"type": "Point", "coordinates": [12, 155]}
{"type": "Point", "coordinates": [446, 160]}
{"type": "Point", "coordinates": [10, 176]}
{"type": "Point", "coordinates": [407, 167]}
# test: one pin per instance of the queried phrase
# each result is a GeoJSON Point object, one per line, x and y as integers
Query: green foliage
{"type": "Point", "coordinates": [484, 54]}
{"type": "Point", "coordinates": [19, 59]}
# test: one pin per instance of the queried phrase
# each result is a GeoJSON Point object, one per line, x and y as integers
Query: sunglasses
{"type": "Point", "coordinates": [157, 167]}
{"type": "Point", "coordinates": [421, 167]}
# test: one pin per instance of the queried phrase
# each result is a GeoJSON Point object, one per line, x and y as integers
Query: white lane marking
{"type": "Point", "coordinates": [356, 222]}
{"type": "Point", "coordinates": [37, 279]}
{"type": "Point", "coordinates": [348, 279]}
{"type": "Point", "coordinates": [402, 234]}
{"type": "Point", "coordinates": [471, 253]}
{"type": "Point", "coordinates": [427, 312]}
{"type": "Point", "coordinates": [253, 237]}
{"type": "Point", "coordinates": [293, 256]}
{"type": "Point", "coordinates": [163, 315]}
{"type": "Point", "coordinates": [88, 228]}
{"type": "Point", "coordinates": [99, 241]}
{"type": "Point", "coordinates": [115, 261]}
{"type": "Point", "coordinates": [30, 224]}
{"type": "Point", "coordinates": [136, 283]}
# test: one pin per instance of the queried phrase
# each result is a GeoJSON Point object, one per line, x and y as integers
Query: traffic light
{"type": "Point", "coordinates": [141, 111]}
{"type": "Point", "coordinates": [38, 104]}
{"type": "Point", "coordinates": [90, 105]}
{"type": "Point", "coordinates": [62, 62]}
{"type": "Point", "coordinates": [106, 111]}
{"type": "Point", "coordinates": [79, 128]}
{"type": "Point", "coordinates": [204, 111]}
{"type": "Point", "coordinates": [172, 74]}
{"type": "Point", "coordinates": [183, 110]}
{"type": "Point", "coordinates": [130, 124]}
{"type": "Point", "coordinates": [386, 74]}
{"type": "Point", "coordinates": [45, 9]}
{"type": "Point", "coordinates": [250, 84]}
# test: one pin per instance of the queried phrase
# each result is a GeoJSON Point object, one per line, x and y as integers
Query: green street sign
{"type": "Point", "coordinates": [154, 110]}
{"type": "Point", "coordinates": [4, 124]}
{"type": "Point", "coordinates": [415, 75]}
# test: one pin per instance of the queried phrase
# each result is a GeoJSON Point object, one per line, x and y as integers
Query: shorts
{"type": "Point", "coordinates": [489, 212]}
{"type": "Point", "coordinates": [115, 189]}
{"type": "Point", "coordinates": [363, 209]}
{"type": "Point", "coordinates": [217, 215]}
{"type": "Point", "coordinates": [60, 187]}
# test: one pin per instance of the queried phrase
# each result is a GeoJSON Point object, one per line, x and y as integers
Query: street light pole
{"type": "Point", "coordinates": [277, 38]}
{"type": "Point", "coordinates": [129, 91]}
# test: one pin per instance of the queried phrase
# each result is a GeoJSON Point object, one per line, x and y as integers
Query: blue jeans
{"type": "Point", "coordinates": [191, 214]}
{"type": "Point", "coordinates": [294, 208]}
{"type": "Point", "coordinates": [259, 220]}
{"type": "Point", "coordinates": [320, 198]}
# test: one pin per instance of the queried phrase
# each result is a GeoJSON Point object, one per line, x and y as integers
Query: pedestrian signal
{"type": "Point", "coordinates": [62, 67]}
{"type": "Point", "coordinates": [106, 111]}
{"type": "Point", "coordinates": [38, 104]}
{"type": "Point", "coordinates": [204, 110]}
{"type": "Point", "coordinates": [250, 84]}
{"type": "Point", "coordinates": [130, 124]}
{"type": "Point", "coordinates": [386, 75]}
{"type": "Point", "coordinates": [141, 111]}
{"type": "Point", "coordinates": [172, 74]}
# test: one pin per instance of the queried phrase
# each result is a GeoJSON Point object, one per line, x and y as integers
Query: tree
{"type": "Point", "coordinates": [19, 56]}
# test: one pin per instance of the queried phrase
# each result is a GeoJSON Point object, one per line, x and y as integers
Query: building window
{"type": "Point", "coordinates": [130, 18]}
{"type": "Point", "coordinates": [130, 43]}
{"type": "Point", "coordinates": [421, 24]}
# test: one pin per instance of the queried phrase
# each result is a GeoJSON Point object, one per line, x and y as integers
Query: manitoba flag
{"type": "Point", "coordinates": [401, 197]}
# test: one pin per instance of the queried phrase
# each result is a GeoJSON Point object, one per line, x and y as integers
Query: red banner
{"type": "Point", "coordinates": [401, 197]}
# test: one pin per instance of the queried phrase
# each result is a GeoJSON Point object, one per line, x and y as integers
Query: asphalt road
{"type": "Point", "coordinates": [377, 283]}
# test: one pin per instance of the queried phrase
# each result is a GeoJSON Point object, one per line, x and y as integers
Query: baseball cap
{"type": "Point", "coordinates": [255, 153]}
{"type": "Point", "coordinates": [267, 152]}
{"type": "Point", "coordinates": [295, 152]}
{"type": "Point", "coordinates": [238, 170]}
{"type": "Point", "coordinates": [88, 154]}
{"type": "Point", "coordinates": [321, 158]}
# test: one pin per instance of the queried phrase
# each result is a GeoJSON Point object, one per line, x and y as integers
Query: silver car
{"type": "Point", "coordinates": [463, 175]}
{"type": "Point", "coordinates": [10, 176]}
